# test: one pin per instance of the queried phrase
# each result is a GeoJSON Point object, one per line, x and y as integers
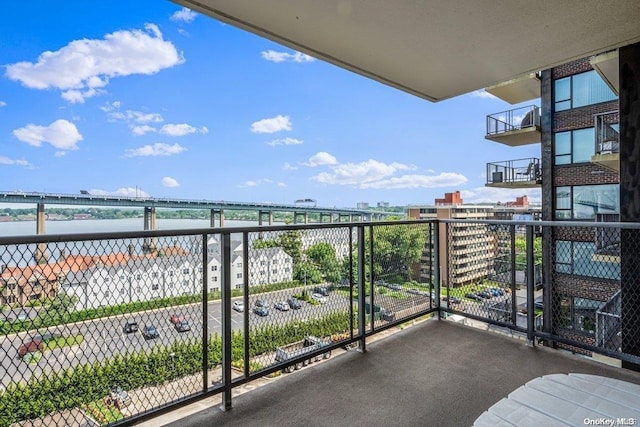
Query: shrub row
{"type": "Point", "coordinates": [85, 383]}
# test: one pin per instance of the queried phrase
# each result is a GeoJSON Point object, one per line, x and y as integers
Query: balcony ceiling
{"type": "Point", "coordinates": [436, 49]}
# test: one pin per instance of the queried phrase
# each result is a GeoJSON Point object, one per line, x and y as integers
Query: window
{"type": "Point", "coordinates": [186, 271]}
{"type": "Point", "coordinates": [138, 290]}
{"type": "Point", "coordinates": [585, 201]}
{"type": "Point", "coordinates": [199, 269]}
{"type": "Point", "coordinates": [171, 273]}
{"type": "Point", "coordinates": [154, 275]}
{"type": "Point", "coordinates": [263, 262]}
{"type": "Point", "coordinates": [214, 268]}
{"type": "Point", "coordinates": [155, 287]}
{"type": "Point", "coordinates": [239, 265]}
{"type": "Point", "coordinates": [579, 314]}
{"type": "Point", "coordinates": [239, 286]}
{"type": "Point", "coordinates": [239, 276]}
{"type": "Point", "coordinates": [122, 291]}
{"type": "Point", "coordinates": [578, 258]}
{"type": "Point", "coordinates": [138, 277]}
{"type": "Point", "coordinates": [107, 279]}
{"type": "Point", "coordinates": [214, 289]}
{"type": "Point", "coordinates": [576, 146]}
{"type": "Point", "coordinates": [107, 294]}
{"type": "Point", "coordinates": [215, 278]}
{"type": "Point", "coordinates": [580, 90]}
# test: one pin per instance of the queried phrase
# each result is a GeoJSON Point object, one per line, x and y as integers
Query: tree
{"type": "Point", "coordinates": [291, 242]}
{"type": "Point", "coordinates": [307, 273]}
{"type": "Point", "coordinates": [323, 255]}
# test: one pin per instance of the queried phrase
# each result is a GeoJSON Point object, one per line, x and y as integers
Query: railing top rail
{"type": "Point", "coordinates": [588, 224]}
{"type": "Point", "coordinates": [525, 159]}
{"type": "Point", "coordinates": [526, 107]}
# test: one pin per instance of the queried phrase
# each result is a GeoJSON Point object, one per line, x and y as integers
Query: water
{"type": "Point", "coordinates": [27, 228]}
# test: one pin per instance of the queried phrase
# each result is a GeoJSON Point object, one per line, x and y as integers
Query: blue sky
{"type": "Point", "coordinates": [125, 96]}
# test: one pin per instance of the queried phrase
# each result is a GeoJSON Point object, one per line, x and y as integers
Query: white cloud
{"type": "Point", "coordinates": [359, 173]}
{"type": "Point", "coordinates": [274, 56]}
{"type": "Point", "coordinates": [13, 162]}
{"type": "Point", "coordinates": [167, 181]}
{"type": "Point", "coordinates": [285, 141]}
{"type": "Point", "coordinates": [130, 192]}
{"type": "Point", "coordinates": [61, 134]}
{"type": "Point", "coordinates": [321, 158]}
{"type": "Point", "coordinates": [3, 104]}
{"type": "Point", "coordinates": [494, 195]}
{"type": "Point", "coordinates": [445, 179]}
{"type": "Point", "coordinates": [142, 129]}
{"type": "Point", "coordinates": [482, 94]}
{"type": "Point", "coordinates": [131, 116]}
{"type": "Point", "coordinates": [181, 129]}
{"type": "Point", "coordinates": [157, 149]}
{"type": "Point", "coordinates": [289, 167]}
{"type": "Point", "coordinates": [274, 124]}
{"type": "Point", "coordinates": [184, 15]}
{"type": "Point", "coordinates": [255, 183]}
{"type": "Point", "coordinates": [60, 153]}
{"type": "Point", "coordinates": [83, 67]}
{"type": "Point", "coordinates": [282, 184]}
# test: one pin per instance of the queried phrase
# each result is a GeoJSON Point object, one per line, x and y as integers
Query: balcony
{"type": "Point", "coordinates": [410, 350]}
{"type": "Point", "coordinates": [520, 126]}
{"type": "Point", "coordinates": [607, 239]}
{"type": "Point", "coordinates": [607, 149]}
{"type": "Point", "coordinates": [521, 89]}
{"type": "Point", "coordinates": [520, 173]}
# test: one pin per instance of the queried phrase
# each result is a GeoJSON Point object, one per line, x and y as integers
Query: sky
{"type": "Point", "coordinates": [148, 98]}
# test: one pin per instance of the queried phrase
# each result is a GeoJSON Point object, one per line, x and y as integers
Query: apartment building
{"type": "Point", "coordinates": [577, 125]}
{"type": "Point", "coordinates": [471, 248]}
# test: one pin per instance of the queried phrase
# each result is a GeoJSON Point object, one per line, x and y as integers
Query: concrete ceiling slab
{"type": "Point", "coordinates": [436, 49]}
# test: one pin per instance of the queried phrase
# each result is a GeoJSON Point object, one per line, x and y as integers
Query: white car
{"type": "Point", "coordinates": [238, 306]}
{"type": "Point", "coordinates": [320, 298]}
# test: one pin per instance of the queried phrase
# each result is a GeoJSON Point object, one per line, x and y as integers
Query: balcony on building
{"type": "Point", "coordinates": [607, 149]}
{"type": "Point", "coordinates": [607, 239]}
{"type": "Point", "coordinates": [607, 66]}
{"type": "Point", "coordinates": [520, 126]}
{"type": "Point", "coordinates": [518, 90]}
{"type": "Point", "coordinates": [519, 173]}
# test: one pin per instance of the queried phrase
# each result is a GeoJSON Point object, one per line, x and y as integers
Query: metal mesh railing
{"type": "Point", "coordinates": [110, 328]}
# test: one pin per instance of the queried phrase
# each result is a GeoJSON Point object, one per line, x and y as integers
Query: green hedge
{"type": "Point", "coordinates": [86, 383]}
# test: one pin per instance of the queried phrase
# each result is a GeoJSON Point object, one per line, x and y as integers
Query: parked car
{"type": "Point", "coordinates": [414, 291]}
{"type": "Point", "coordinates": [473, 296]}
{"type": "Point", "coordinates": [452, 300]}
{"type": "Point", "coordinates": [261, 311]}
{"type": "Point", "coordinates": [321, 290]}
{"type": "Point", "coordinates": [150, 332]}
{"type": "Point", "coordinates": [182, 326]}
{"type": "Point", "coordinates": [281, 305]}
{"type": "Point", "coordinates": [130, 326]}
{"type": "Point", "coordinates": [499, 290]}
{"type": "Point", "coordinates": [537, 303]}
{"type": "Point", "coordinates": [47, 336]}
{"type": "Point", "coordinates": [484, 294]}
{"type": "Point", "coordinates": [261, 303]}
{"type": "Point", "coordinates": [30, 346]}
{"type": "Point", "coordinates": [119, 396]}
{"type": "Point", "coordinates": [320, 298]}
{"type": "Point", "coordinates": [394, 286]}
{"type": "Point", "coordinates": [294, 303]}
{"type": "Point", "coordinates": [238, 306]}
{"type": "Point", "coordinates": [22, 316]}
{"type": "Point", "coordinates": [176, 318]}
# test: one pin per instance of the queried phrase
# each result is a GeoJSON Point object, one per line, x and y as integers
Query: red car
{"type": "Point", "coordinates": [30, 346]}
{"type": "Point", "coordinates": [176, 318]}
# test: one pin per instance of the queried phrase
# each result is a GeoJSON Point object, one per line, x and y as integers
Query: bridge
{"type": "Point", "coordinates": [216, 207]}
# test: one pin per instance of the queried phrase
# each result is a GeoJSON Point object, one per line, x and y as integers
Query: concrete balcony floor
{"type": "Point", "coordinates": [433, 373]}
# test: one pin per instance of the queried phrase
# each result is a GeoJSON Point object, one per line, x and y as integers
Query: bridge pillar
{"type": "Point", "coordinates": [269, 215]}
{"type": "Point", "coordinates": [41, 256]}
{"type": "Point", "coordinates": [297, 215]}
{"type": "Point", "coordinates": [212, 216]}
{"type": "Point", "coordinates": [149, 219]}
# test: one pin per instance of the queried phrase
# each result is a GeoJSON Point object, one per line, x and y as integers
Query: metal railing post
{"type": "Point", "coordinates": [245, 299]}
{"type": "Point", "coordinates": [226, 321]}
{"type": "Point", "coordinates": [436, 261]}
{"type": "Point", "coordinates": [514, 297]}
{"type": "Point", "coordinates": [361, 291]}
{"type": "Point", "coordinates": [530, 285]}
{"type": "Point", "coordinates": [205, 315]}
{"type": "Point", "coordinates": [371, 293]}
